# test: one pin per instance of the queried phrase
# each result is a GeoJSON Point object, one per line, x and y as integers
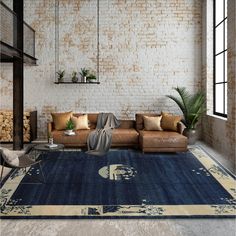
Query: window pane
{"type": "Point", "coordinates": [226, 5]}
{"type": "Point", "coordinates": [219, 98]}
{"type": "Point", "coordinates": [219, 38]}
{"type": "Point", "coordinates": [226, 34]}
{"type": "Point", "coordinates": [219, 13]}
{"type": "Point", "coordinates": [220, 55]}
{"type": "Point", "coordinates": [226, 98]}
{"type": "Point", "coordinates": [226, 64]}
{"type": "Point", "coordinates": [219, 68]}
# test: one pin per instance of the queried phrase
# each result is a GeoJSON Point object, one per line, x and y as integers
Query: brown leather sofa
{"type": "Point", "coordinates": [124, 136]}
{"type": "Point", "coordinates": [130, 134]}
{"type": "Point", "coordinates": [160, 141]}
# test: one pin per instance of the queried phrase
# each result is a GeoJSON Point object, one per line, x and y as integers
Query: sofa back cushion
{"type": "Point", "coordinates": [92, 117]}
{"type": "Point", "coordinates": [60, 119]}
{"type": "Point", "coordinates": [92, 120]}
{"type": "Point", "coordinates": [127, 124]}
{"type": "Point", "coordinates": [140, 121]}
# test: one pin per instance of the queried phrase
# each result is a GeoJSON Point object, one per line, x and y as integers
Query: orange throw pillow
{"type": "Point", "coordinates": [169, 122]}
{"type": "Point", "coordinates": [60, 119]}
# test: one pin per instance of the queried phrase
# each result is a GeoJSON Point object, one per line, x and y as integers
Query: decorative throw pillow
{"type": "Point", "coordinates": [10, 156]}
{"type": "Point", "coordinates": [169, 122]}
{"type": "Point", "coordinates": [80, 122]}
{"type": "Point", "coordinates": [152, 122]}
{"type": "Point", "coordinates": [60, 119]}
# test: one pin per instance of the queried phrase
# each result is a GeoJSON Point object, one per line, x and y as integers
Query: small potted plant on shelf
{"type": "Point", "coordinates": [84, 73]}
{"type": "Point", "coordinates": [91, 78]}
{"type": "Point", "coordinates": [60, 76]}
{"type": "Point", "coordinates": [74, 77]}
{"type": "Point", "coordinates": [69, 127]}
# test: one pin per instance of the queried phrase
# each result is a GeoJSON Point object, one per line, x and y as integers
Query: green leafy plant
{"type": "Point", "coordinates": [50, 137]}
{"type": "Point", "coordinates": [192, 106]}
{"type": "Point", "coordinates": [70, 125]}
{"type": "Point", "coordinates": [84, 72]}
{"type": "Point", "coordinates": [74, 77]}
{"type": "Point", "coordinates": [49, 134]}
{"type": "Point", "coordinates": [91, 77]}
{"type": "Point", "coordinates": [60, 75]}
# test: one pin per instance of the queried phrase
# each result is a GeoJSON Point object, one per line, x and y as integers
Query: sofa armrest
{"type": "Point", "coordinates": [180, 127]}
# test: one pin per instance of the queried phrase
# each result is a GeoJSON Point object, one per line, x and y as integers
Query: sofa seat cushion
{"type": "Point", "coordinates": [124, 136]}
{"type": "Point", "coordinates": [161, 139]}
{"type": "Point", "coordinates": [119, 137]}
{"type": "Point", "coordinates": [80, 138]}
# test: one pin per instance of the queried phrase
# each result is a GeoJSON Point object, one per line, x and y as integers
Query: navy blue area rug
{"type": "Point", "coordinates": [121, 184]}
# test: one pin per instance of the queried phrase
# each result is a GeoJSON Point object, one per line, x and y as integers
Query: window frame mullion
{"type": "Point", "coordinates": [224, 52]}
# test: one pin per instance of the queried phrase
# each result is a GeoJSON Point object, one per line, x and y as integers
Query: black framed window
{"type": "Point", "coordinates": [220, 57]}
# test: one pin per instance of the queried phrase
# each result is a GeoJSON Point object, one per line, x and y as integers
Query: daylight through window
{"type": "Point", "coordinates": [220, 57]}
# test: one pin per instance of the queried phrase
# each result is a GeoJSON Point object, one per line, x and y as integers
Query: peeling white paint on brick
{"type": "Point", "coordinates": [146, 49]}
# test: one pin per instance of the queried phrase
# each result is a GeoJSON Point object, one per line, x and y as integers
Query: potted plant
{"type": "Point", "coordinates": [69, 126]}
{"type": "Point", "coordinates": [60, 75]}
{"type": "Point", "coordinates": [91, 77]}
{"type": "Point", "coordinates": [74, 77]}
{"type": "Point", "coordinates": [192, 106]}
{"type": "Point", "coordinates": [84, 73]}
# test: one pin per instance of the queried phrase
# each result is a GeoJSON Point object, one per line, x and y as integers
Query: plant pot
{"type": "Point", "coordinates": [74, 79]}
{"type": "Point", "coordinates": [191, 134]}
{"type": "Point", "coordinates": [91, 80]}
{"type": "Point", "coordinates": [83, 79]}
{"type": "Point", "coordinates": [50, 141]}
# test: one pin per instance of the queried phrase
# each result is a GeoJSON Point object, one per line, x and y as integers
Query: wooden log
{"type": "Point", "coordinates": [6, 125]}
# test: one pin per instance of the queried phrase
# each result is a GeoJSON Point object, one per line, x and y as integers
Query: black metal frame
{"type": "Point", "coordinates": [8, 52]}
{"type": "Point", "coordinates": [68, 82]}
{"type": "Point", "coordinates": [214, 60]}
{"type": "Point", "coordinates": [57, 30]}
{"type": "Point", "coordinates": [14, 53]}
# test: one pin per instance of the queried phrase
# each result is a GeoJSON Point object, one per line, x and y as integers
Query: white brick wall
{"type": "Point", "coordinates": [146, 48]}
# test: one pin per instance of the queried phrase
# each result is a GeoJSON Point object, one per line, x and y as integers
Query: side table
{"type": "Point", "coordinates": [42, 148]}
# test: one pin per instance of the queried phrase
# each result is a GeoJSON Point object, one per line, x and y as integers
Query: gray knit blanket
{"type": "Point", "coordinates": [99, 140]}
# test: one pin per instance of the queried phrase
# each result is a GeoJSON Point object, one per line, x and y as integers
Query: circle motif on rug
{"type": "Point", "coordinates": [117, 172]}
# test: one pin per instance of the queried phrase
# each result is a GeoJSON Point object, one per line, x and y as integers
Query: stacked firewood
{"type": "Point", "coordinates": [6, 126]}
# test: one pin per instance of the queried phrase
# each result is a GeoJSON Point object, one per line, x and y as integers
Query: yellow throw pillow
{"type": "Point", "coordinates": [60, 119]}
{"type": "Point", "coordinates": [169, 122]}
{"type": "Point", "coordinates": [152, 123]}
{"type": "Point", "coordinates": [80, 122]}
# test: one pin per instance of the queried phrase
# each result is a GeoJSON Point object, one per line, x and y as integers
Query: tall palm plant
{"type": "Point", "coordinates": [192, 106]}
